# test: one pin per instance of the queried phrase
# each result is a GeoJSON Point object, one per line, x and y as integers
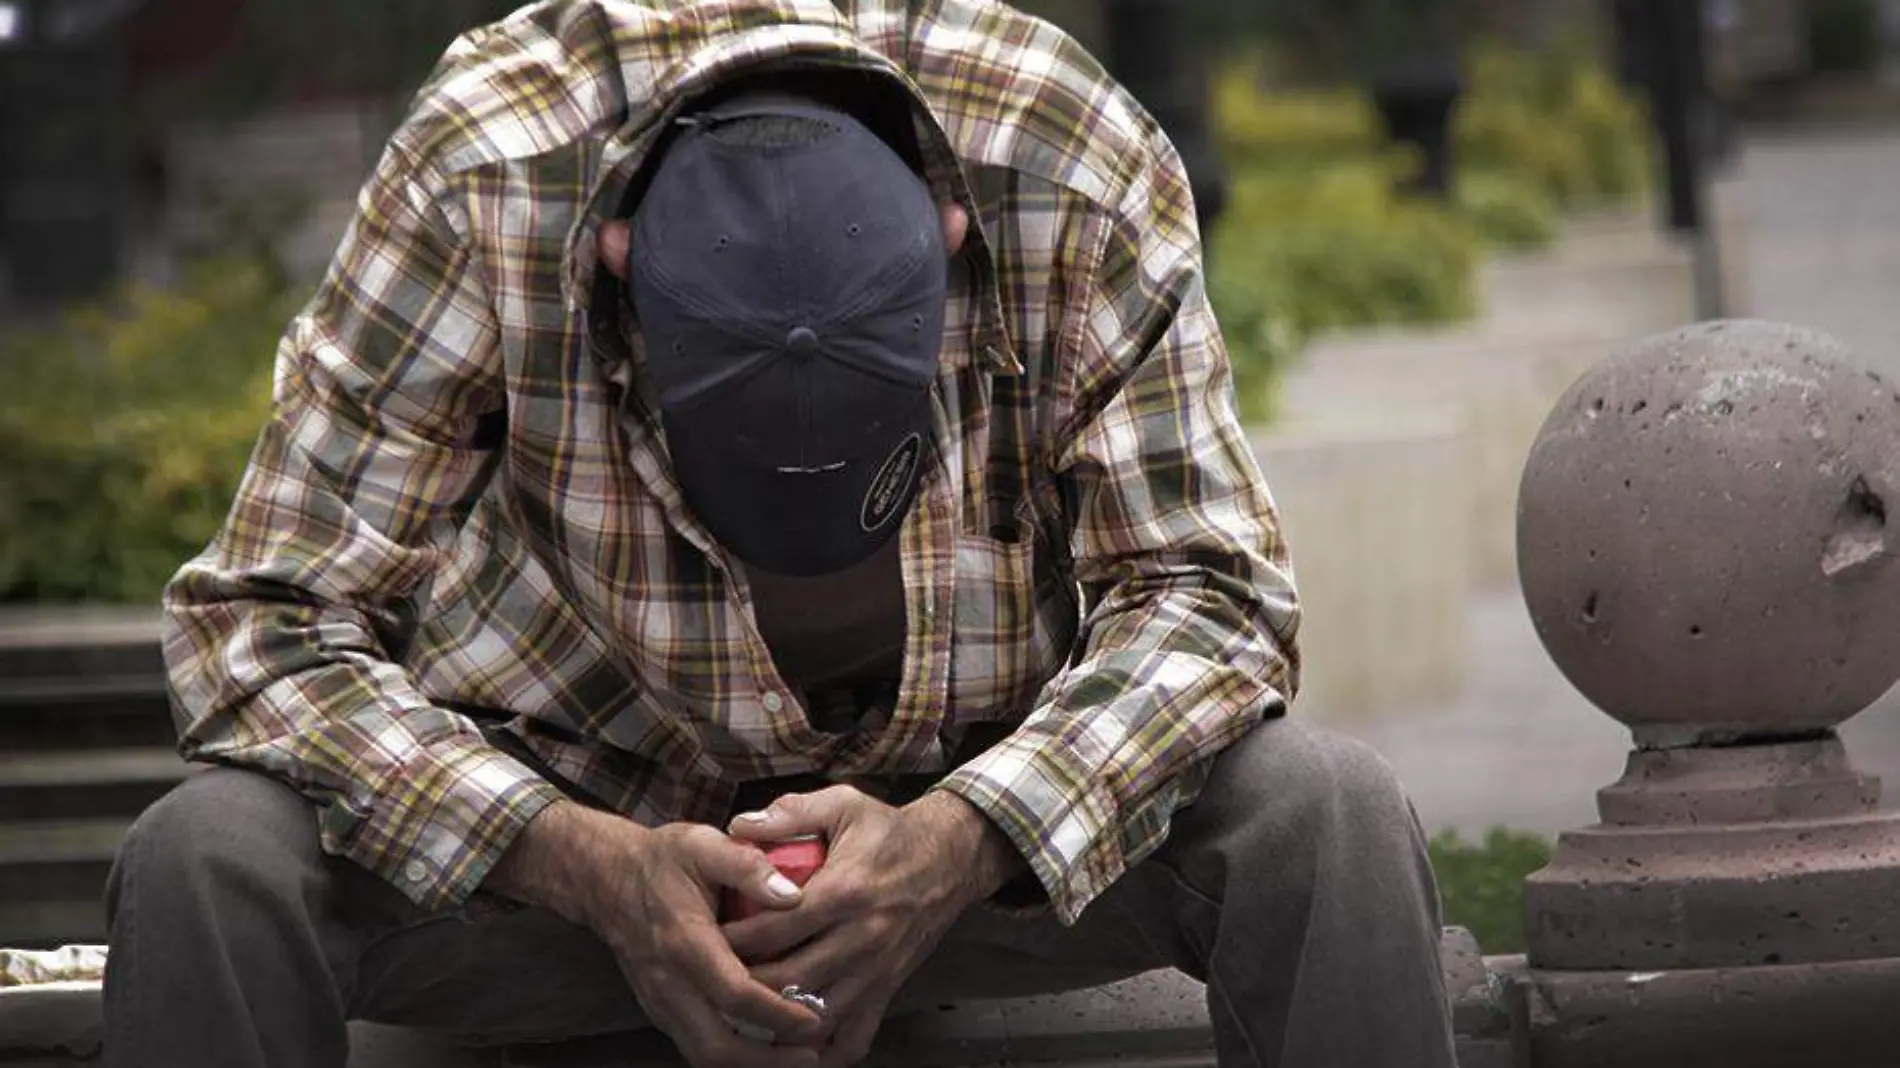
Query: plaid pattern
{"type": "Point", "coordinates": [51, 968]}
{"type": "Point", "coordinates": [462, 499]}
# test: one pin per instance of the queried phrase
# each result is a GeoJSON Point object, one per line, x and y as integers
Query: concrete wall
{"type": "Point", "coordinates": [1381, 558]}
{"type": "Point", "coordinates": [1397, 461]}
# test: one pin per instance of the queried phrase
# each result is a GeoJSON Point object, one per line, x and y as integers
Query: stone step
{"type": "Point", "coordinates": [82, 678]}
{"type": "Point", "coordinates": [52, 879]}
{"type": "Point", "coordinates": [84, 784]}
{"type": "Point", "coordinates": [84, 712]}
{"type": "Point", "coordinates": [50, 842]}
{"type": "Point", "coordinates": [48, 643]}
{"type": "Point", "coordinates": [38, 924]}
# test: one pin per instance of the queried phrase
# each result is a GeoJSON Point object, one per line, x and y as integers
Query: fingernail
{"type": "Point", "coordinates": [751, 817]}
{"type": "Point", "coordinates": [781, 887]}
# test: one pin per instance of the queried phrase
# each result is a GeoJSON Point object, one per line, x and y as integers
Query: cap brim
{"type": "Point", "coordinates": [801, 523]}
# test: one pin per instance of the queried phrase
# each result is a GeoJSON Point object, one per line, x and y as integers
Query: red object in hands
{"type": "Point", "coordinates": [798, 860]}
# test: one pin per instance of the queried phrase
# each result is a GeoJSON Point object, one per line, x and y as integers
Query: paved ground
{"type": "Point", "coordinates": [1523, 748]}
{"type": "Point", "coordinates": [1827, 236]}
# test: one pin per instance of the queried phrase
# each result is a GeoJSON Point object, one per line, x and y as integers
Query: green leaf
{"type": "Point", "coordinates": [1482, 884]}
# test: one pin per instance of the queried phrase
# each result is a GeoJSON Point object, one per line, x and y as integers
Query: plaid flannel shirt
{"type": "Point", "coordinates": [462, 501]}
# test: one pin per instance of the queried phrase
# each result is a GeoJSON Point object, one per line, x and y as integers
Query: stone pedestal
{"type": "Point", "coordinates": [1705, 548]}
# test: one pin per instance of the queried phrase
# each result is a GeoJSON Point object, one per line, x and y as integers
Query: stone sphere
{"type": "Point", "coordinates": [1703, 535]}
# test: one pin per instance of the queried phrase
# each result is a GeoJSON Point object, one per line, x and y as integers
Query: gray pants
{"type": "Point", "coordinates": [1298, 888]}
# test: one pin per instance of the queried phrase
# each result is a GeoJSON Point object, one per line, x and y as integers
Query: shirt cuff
{"type": "Point", "coordinates": [441, 820]}
{"type": "Point", "coordinates": [1065, 834]}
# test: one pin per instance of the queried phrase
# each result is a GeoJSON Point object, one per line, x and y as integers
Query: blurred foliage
{"type": "Point", "coordinates": [1351, 41]}
{"type": "Point", "coordinates": [1282, 129]}
{"type": "Point", "coordinates": [1558, 118]}
{"type": "Point", "coordinates": [1482, 884]}
{"type": "Point", "coordinates": [1844, 35]}
{"type": "Point", "coordinates": [1317, 248]}
{"type": "Point", "coordinates": [127, 426]}
{"type": "Point", "coordinates": [1317, 234]}
{"type": "Point", "coordinates": [1508, 210]}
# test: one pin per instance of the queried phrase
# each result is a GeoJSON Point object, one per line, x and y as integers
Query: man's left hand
{"type": "Point", "coordinates": [893, 883]}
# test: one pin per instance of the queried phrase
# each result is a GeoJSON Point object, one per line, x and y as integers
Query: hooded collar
{"type": "Point", "coordinates": [814, 34]}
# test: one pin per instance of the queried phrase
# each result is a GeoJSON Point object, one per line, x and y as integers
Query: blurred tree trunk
{"type": "Point", "coordinates": [1152, 49]}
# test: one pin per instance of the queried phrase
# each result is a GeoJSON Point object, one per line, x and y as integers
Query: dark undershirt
{"type": "Point", "coordinates": [837, 639]}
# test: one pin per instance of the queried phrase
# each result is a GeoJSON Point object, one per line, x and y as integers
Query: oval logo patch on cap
{"type": "Point", "coordinates": [891, 487]}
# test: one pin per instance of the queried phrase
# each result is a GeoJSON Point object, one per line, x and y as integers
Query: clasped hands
{"type": "Point", "coordinates": [893, 883]}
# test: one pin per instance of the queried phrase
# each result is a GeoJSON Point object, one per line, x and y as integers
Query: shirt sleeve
{"type": "Point", "coordinates": [1190, 618]}
{"type": "Point", "coordinates": [284, 638]}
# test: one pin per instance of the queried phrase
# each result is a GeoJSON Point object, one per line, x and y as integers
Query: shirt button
{"type": "Point", "coordinates": [416, 871]}
{"type": "Point", "coordinates": [773, 703]}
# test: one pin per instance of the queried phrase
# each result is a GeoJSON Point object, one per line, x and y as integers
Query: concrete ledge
{"type": "Point", "coordinates": [1158, 1019]}
{"type": "Point", "coordinates": [1619, 275]}
{"type": "Point", "coordinates": [1796, 1016]}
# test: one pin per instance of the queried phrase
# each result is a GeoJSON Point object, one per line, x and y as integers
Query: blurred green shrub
{"type": "Point", "coordinates": [127, 427]}
{"type": "Point", "coordinates": [1507, 210]}
{"type": "Point", "coordinates": [1482, 884]}
{"type": "Point", "coordinates": [1844, 35]}
{"type": "Point", "coordinates": [1328, 247]}
{"type": "Point", "coordinates": [1316, 235]}
{"type": "Point", "coordinates": [1347, 250]}
{"type": "Point", "coordinates": [1284, 129]}
{"type": "Point", "coordinates": [1558, 119]}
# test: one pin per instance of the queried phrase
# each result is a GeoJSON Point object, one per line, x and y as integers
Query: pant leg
{"type": "Point", "coordinates": [1297, 887]}
{"type": "Point", "coordinates": [236, 942]}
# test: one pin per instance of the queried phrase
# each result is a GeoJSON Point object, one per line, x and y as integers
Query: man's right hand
{"type": "Point", "coordinates": [652, 896]}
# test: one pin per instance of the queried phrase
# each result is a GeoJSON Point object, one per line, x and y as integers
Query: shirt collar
{"type": "Point", "coordinates": [589, 291]}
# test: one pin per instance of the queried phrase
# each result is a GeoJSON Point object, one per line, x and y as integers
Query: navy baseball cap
{"type": "Point", "coordinates": [791, 300]}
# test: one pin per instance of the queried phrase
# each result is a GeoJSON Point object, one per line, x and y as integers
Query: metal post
{"type": "Point", "coordinates": [1670, 55]}
{"type": "Point", "coordinates": [1679, 90]}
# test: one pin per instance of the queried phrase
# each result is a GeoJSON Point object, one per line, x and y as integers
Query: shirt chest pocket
{"type": "Point", "coordinates": [1015, 625]}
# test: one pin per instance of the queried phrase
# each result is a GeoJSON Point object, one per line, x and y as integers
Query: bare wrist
{"type": "Point", "coordinates": [551, 863]}
{"type": "Point", "coordinates": [981, 856]}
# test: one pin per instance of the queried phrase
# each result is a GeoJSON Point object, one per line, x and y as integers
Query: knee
{"type": "Point", "coordinates": [1297, 794]}
{"type": "Point", "coordinates": [1344, 781]}
{"type": "Point", "coordinates": [220, 828]}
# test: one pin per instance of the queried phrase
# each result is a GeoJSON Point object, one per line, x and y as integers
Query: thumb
{"type": "Point", "coordinates": [615, 242]}
{"type": "Point", "coordinates": [746, 869]}
{"type": "Point", "coordinates": [824, 813]}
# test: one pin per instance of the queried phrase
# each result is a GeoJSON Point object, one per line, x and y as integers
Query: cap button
{"type": "Point", "coordinates": [802, 341]}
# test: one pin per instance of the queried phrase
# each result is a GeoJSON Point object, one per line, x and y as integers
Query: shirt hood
{"type": "Point", "coordinates": [709, 45]}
